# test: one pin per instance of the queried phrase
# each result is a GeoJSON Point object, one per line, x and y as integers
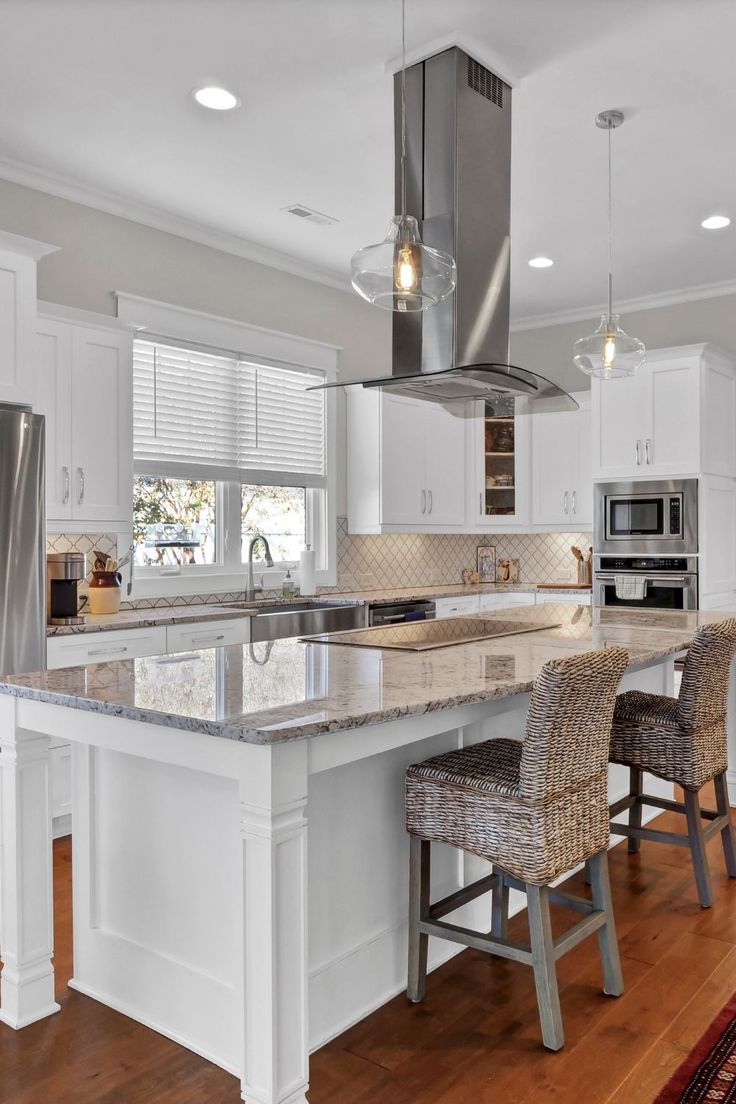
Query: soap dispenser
{"type": "Point", "coordinates": [288, 589]}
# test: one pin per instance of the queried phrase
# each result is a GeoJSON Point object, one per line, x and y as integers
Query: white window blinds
{"type": "Point", "coordinates": [201, 416]}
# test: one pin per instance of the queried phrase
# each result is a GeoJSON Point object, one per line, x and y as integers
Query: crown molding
{"type": "Point", "coordinates": [625, 306]}
{"type": "Point", "coordinates": [18, 172]}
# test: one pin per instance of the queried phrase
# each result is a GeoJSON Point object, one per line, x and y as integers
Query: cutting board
{"type": "Point", "coordinates": [564, 586]}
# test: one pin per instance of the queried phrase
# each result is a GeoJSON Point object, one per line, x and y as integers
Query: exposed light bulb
{"type": "Point", "coordinates": [407, 273]}
{"type": "Point", "coordinates": [609, 351]}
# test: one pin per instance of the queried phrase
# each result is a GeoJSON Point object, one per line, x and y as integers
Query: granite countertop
{"type": "Point", "coordinates": [266, 693]}
{"type": "Point", "coordinates": [144, 618]}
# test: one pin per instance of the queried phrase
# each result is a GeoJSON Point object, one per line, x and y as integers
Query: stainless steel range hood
{"type": "Point", "coordinates": [459, 187]}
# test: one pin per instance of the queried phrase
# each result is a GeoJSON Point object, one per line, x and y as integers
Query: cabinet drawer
{"type": "Point", "coordinates": [456, 607]}
{"type": "Point", "coordinates": [503, 601]}
{"type": "Point", "coordinates": [101, 647]}
{"type": "Point", "coordinates": [558, 596]}
{"type": "Point", "coordinates": [210, 634]}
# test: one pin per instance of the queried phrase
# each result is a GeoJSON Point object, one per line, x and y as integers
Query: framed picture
{"type": "Point", "coordinates": [486, 562]}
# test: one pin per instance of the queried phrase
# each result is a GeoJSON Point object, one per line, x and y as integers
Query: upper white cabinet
{"type": "Point", "coordinates": [18, 257]}
{"type": "Point", "coordinates": [675, 417]}
{"type": "Point", "coordinates": [84, 387]}
{"type": "Point", "coordinates": [406, 465]}
{"type": "Point", "coordinates": [498, 466]}
{"type": "Point", "coordinates": [562, 476]}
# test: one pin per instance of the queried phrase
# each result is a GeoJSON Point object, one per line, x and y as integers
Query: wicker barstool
{"type": "Point", "coordinates": [682, 740]}
{"type": "Point", "coordinates": [534, 809]}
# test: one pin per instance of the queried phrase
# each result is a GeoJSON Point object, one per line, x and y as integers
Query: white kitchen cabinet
{"type": "Point", "coordinates": [461, 606]}
{"type": "Point", "coordinates": [498, 467]}
{"type": "Point", "coordinates": [207, 634]}
{"type": "Point", "coordinates": [18, 258]}
{"type": "Point", "coordinates": [506, 599]}
{"type": "Point", "coordinates": [562, 476]}
{"type": "Point", "coordinates": [77, 649]}
{"type": "Point", "coordinates": [85, 389]}
{"type": "Point", "coordinates": [406, 465]}
{"type": "Point", "coordinates": [676, 417]}
{"type": "Point", "coordinates": [717, 542]}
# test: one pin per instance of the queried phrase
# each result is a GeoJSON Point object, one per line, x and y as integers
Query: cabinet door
{"type": "Point", "coordinates": [555, 468]}
{"type": "Point", "coordinates": [582, 506]}
{"type": "Point", "coordinates": [672, 405]}
{"type": "Point", "coordinates": [17, 328]}
{"type": "Point", "coordinates": [54, 400]}
{"type": "Point", "coordinates": [102, 425]}
{"type": "Point", "coordinates": [403, 461]}
{"type": "Point", "coordinates": [445, 451]}
{"type": "Point", "coordinates": [619, 422]}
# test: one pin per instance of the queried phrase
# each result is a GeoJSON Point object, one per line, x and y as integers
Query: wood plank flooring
{"type": "Point", "coordinates": [475, 1039]}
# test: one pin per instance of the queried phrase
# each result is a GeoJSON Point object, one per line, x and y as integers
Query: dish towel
{"type": "Point", "coordinates": [631, 587]}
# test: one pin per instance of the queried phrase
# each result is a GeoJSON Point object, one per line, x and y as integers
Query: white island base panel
{"type": "Point", "coordinates": [206, 908]}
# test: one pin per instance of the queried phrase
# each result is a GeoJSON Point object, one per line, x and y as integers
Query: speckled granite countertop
{"type": "Point", "coordinates": [289, 690]}
{"type": "Point", "coordinates": [180, 615]}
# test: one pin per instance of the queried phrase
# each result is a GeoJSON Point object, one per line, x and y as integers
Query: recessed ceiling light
{"type": "Point", "coordinates": [715, 222]}
{"type": "Point", "coordinates": [217, 99]}
{"type": "Point", "coordinates": [541, 262]}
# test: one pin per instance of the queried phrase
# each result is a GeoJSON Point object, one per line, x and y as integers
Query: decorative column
{"type": "Point", "coordinates": [26, 874]}
{"type": "Point", "coordinates": [273, 829]}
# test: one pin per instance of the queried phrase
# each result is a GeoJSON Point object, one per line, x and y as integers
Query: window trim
{"type": "Point", "coordinates": [180, 325]}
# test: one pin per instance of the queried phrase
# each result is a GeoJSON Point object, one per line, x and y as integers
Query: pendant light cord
{"type": "Point", "coordinates": [610, 222]}
{"type": "Point", "coordinates": [403, 108]}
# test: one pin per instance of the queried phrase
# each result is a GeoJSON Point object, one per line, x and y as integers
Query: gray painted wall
{"type": "Point", "coordinates": [548, 350]}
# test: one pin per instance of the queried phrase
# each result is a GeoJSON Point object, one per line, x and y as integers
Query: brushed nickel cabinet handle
{"type": "Point", "coordinates": [648, 450]}
{"type": "Point", "coordinates": [564, 503]}
{"type": "Point", "coordinates": [429, 511]}
{"type": "Point", "coordinates": [67, 485]}
{"type": "Point", "coordinates": [574, 501]}
{"type": "Point", "coordinates": [80, 473]}
{"type": "Point", "coordinates": [424, 502]}
{"type": "Point", "coordinates": [638, 453]}
{"type": "Point", "coordinates": [480, 504]}
{"type": "Point", "coordinates": [106, 651]}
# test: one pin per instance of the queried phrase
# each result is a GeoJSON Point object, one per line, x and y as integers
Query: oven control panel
{"type": "Point", "coordinates": [644, 563]}
{"type": "Point", "coordinates": [676, 516]}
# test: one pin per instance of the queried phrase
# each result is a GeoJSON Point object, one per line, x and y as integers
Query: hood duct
{"type": "Point", "coordinates": [458, 166]}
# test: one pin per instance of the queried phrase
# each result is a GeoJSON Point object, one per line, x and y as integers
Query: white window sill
{"type": "Point", "coordinates": [152, 584]}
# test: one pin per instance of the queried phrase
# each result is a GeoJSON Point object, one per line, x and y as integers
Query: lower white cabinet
{"type": "Point", "coordinates": [208, 634]}
{"type": "Point", "coordinates": [456, 607]}
{"type": "Point", "coordinates": [78, 649]}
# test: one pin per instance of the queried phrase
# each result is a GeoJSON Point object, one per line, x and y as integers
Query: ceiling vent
{"type": "Point", "coordinates": [485, 82]}
{"type": "Point", "coordinates": [308, 215]}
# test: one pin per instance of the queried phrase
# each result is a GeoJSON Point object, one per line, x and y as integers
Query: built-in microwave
{"type": "Point", "coordinates": [646, 518]}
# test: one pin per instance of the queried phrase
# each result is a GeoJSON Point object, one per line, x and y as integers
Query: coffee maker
{"type": "Point", "coordinates": [64, 572]}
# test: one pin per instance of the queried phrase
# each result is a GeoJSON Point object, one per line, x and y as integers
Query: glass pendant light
{"type": "Point", "coordinates": [401, 273]}
{"type": "Point", "coordinates": [609, 353]}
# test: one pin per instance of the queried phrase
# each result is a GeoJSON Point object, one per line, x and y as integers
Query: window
{"type": "Point", "coordinates": [224, 448]}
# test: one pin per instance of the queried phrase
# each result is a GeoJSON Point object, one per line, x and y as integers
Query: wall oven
{"type": "Point", "coordinates": [646, 582]}
{"type": "Point", "coordinates": [647, 518]}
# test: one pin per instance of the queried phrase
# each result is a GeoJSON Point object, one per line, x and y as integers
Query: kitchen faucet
{"type": "Point", "coordinates": [250, 590]}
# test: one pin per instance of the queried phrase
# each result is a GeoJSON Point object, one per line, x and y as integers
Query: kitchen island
{"type": "Point", "coordinates": [203, 904]}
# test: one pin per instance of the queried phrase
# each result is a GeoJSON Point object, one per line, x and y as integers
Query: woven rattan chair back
{"type": "Point", "coordinates": [568, 728]}
{"type": "Point", "coordinates": [704, 691]}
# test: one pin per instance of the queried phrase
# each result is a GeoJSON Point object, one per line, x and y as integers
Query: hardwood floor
{"type": "Point", "coordinates": [474, 1040]}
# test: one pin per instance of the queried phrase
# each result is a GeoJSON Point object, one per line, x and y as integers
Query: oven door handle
{"type": "Point", "coordinates": [670, 580]}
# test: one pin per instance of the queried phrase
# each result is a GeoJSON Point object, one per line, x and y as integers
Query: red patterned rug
{"type": "Point", "coordinates": [708, 1074]}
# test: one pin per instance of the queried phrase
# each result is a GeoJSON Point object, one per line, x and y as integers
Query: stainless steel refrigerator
{"type": "Point", "coordinates": [22, 541]}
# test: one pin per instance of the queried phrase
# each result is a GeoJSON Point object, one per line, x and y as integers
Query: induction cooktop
{"type": "Point", "coordinates": [422, 636]}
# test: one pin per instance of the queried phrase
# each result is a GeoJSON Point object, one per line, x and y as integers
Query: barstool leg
{"type": "Point", "coordinates": [545, 972]}
{"type": "Point", "coordinates": [697, 846]}
{"type": "Point", "coordinates": [419, 855]}
{"type": "Point", "coordinates": [613, 980]}
{"type": "Point", "coordinates": [727, 835]}
{"type": "Point", "coordinates": [500, 907]}
{"type": "Point", "coordinates": [635, 789]}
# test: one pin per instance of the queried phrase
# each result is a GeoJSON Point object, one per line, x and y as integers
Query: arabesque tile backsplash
{"type": "Point", "coordinates": [394, 560]}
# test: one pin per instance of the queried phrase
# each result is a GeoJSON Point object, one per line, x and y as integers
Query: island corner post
{"type": "Point", "coordinates": [245, 993]}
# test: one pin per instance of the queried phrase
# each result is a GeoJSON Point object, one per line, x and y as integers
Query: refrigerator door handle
{"type": "Point", "coordinates": [67, 485]}
{"type": "Point", "coordinates": [80, 473]}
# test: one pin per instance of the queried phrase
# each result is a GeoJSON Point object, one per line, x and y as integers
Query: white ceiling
{"type": "Point", "coordinates": [96, 104]}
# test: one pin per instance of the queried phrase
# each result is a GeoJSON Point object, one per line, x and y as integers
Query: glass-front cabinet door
{"type": "Point", "coordinates": [500, 465]}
